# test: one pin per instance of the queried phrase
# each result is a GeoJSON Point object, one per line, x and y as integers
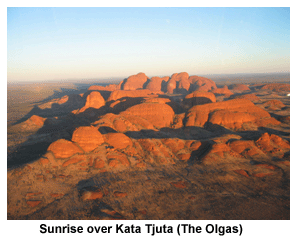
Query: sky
{"type": "Point", "coordinates": [87, 43]}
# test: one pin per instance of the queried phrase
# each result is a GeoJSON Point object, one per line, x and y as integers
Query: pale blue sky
{"type": "Point", "coordinates": [82, 43]}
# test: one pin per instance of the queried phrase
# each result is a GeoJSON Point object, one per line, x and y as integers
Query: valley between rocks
{"type": "Point", "coordinates": [179, 147]}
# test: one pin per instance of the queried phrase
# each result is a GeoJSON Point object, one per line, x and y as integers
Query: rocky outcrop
{"type": "Point", "coordinates": [159, 115]}
{"type": "Point", "coordinates": [110, 87]}
{"type": "Point", "coordinates": [244, 147]}
{"type": "Point", "coordinates": [180, 83]}
{"type": "Point", "coordinates": [251, 97]}
{"type": "Point", "coordinates": [118, 94]}
{"type": "Point", "coordinates": [63, 148]}
{"type": "Point", "coordinates": [87, 137]}
{"type": "Point", "coordinates": [274, 104]}
{"type": "Point", "coordinates": [240, 87]}
{"type": "Point", "coordinates": [118, 140]}
{"type": "Point", "coordinates": [49, 104]}
{"type": "Point", "coordinates": [223, 91]}
{"type": "Point", "coordinates": [277, 87]}
{"type": "Point", "coordinates": [135, 82]}
{"type": "Point", "coordinates": [231, 114]}
{"type": "Point", "coordinates": [93, 100]}
{"type": "Point", "coordinates": [198, 98]}
{"type": "Point", "coordinates": [201, 84]}
{"type": "Point", "coordinates": [157, 83]}
{"type": "Point", "coordinates": [157, 100]}
{"type": "Point", "coordinates": [34, 122]}
{"type": "Point", "coordinates": [181, 79]}
{"type": "Point", "coordinates": [272, 143]}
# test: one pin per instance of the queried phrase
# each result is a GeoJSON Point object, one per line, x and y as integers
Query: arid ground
{"type": "Point", "coordinates": [174, 147]}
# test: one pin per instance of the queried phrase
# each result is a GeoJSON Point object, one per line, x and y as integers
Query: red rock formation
{"type": "Point", "coordinates": [198, 98]}
{"type": "Point", "coordinates": [184, 156]}
{"type": "Point", "coordinates": [231, 113]}
{"type": "Point", "coordinates": [118, 140]}
{"type": "Point", "coordinates": [118, 94]}
{"type": "Point", "coordinates": [110, 87]}
{"type": "Point", "coordinates": [232, 119]}
{"type": "Point", "coordinates": [87, 137]}
{"type": "Point", "coordinates": [159, 115]}
{"type": "Point", "coordinates": [117, 159]}
{"type": "Point", "coordinates": [208, 95]}
{"type": "Point", "coordinates": [93, 100]}
{"type": "Point", "coordinates": [274, 104]}
{"type": "Point", "coordinates": [137, 122]}
{"type": "Point", "coordinates": [201, 84]}
{"type": "Point", "coordinates": [98, 163]}
{"type": "Point", "coordinates": [184, 84]}
{"type": "Point", "coordinates": [134, 82]}
{"type": "Point", "coordinates": [182, 78]}
{"type": "Point", "coordinates": [222, 148]}
{"type": "Point", "coordinates": [264, 142]}
{"type": "Point", "coordinates": [64, 149]}
{"type": "Point", "coordinates": [63, 99]}
{"type": "Point", "coordinates": [240, 87]}
{"type": "Point", "coordinates": [277, 87]}
{"type": "Point", "coordinates": [33, 122]}
{"type": "Point", "coordinates": [73, 160]}
{"type": "Point", "coordinates": [49, 104]}
{"type": "Point", "coordinates": [175, 144]}
{"type": "Point", "coordinates": [272, 143]}
{"type": "Point", "coordinates": [244, 147]}
{"type": "Point", "coordinates": [251, 97]}
{"type": "Point", "coordinates": [223, 91]}
{"type": "Point", "coordinates": [155, 83]}
{"type": "Point", "coordinates": [279, 141]}
{"type": "Point", "coordinates": [150, 146]}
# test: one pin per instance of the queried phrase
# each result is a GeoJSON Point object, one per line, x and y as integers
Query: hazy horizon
{"type": "Point", "coordinates": [100, 43]}
{"type": "Point", "coordinates": [118, 79]}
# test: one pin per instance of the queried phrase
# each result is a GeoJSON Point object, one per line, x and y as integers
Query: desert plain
{"type": "Point", "coordinates": [161, 148]}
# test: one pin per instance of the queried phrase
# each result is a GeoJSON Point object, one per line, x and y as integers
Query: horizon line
{"type": "Point", "coordinates": [116, 78]}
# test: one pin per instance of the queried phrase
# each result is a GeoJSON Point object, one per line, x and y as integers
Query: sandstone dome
{"type": "Point", "coordinates": [87, 137]}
